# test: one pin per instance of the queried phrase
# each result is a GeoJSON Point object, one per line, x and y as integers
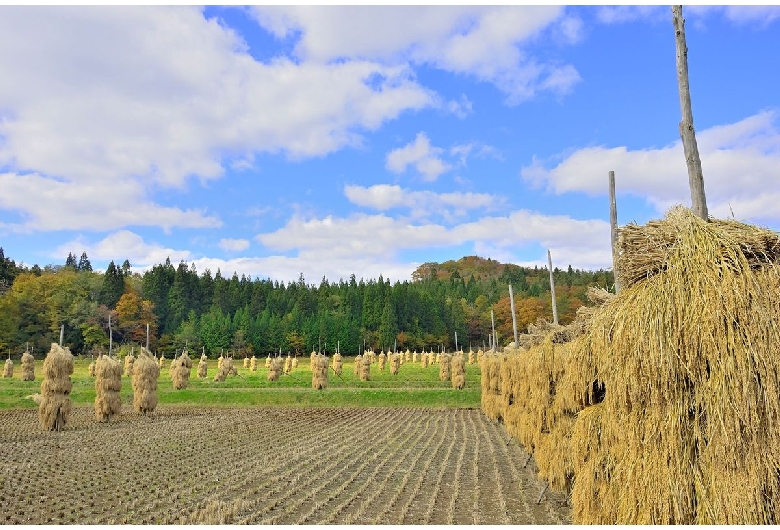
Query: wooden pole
{"type": "Point", "coordinates": [552, 289]}
{"type": "Point", "coordinates": [514, 318]}
{"type": "Point", "coordinates": [62, 335]}
{"type": "Point", "coordinates": [493, 323]}
{"type": "Point", "coordinates": [147, 335]}
{"type": "Point", "coordinates": [613, 226]}
{"type": "Point", "coordinates": [687, 132]}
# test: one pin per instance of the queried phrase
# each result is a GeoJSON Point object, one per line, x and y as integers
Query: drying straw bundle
{"type": "Point", "coordinates": [28, 367]}
{"type": "Point", "coordinates": [338, 364]}
{"type": "Point", "coordinates": [145, 374]}
{"type": "Point", "coordinates": [395, 363]}
{"type": "Point", "coordinates": [319, 373]}
{"type": "Point", "coordinates": [458, 372]}
{"type": "Point", "coordinates": [108, 385]}
{"type": "Point", "coordinates": [54, 408]}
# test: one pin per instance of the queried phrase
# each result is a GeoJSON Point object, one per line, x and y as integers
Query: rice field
{"type": "Point", "coordinates": [270, 465]}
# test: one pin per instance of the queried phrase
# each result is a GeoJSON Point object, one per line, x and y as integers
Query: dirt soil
{"type": "Point", "coordinates": [270, 466]}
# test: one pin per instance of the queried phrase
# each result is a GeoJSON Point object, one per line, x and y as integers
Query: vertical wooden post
{"type": "Point", "coordinates": [687, 133]}
{"type": "Point", "coordinates": [552, 289]}
{"type": "Point", "coordinates": [147, 335]}
{"type": "Point", "coordinates": [62, 337]}
{"type": "Point", "coordinates": [493, 324]}
{"type": "Point", "coordinates": [456, 341]}
{"type": "Point", "coordinates": [613, 226]}
{"type": "Point", "coordinates": [514, 318]}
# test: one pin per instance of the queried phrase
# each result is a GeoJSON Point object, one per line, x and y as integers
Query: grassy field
{"type": "Point", "coordinates": [414, 386]}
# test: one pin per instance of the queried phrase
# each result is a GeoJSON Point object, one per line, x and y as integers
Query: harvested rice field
{"type": "Point", "coordinates": [270, 466]}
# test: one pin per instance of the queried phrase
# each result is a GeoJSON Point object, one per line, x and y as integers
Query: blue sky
{"type": "Point", "coordinates": [272, 141]}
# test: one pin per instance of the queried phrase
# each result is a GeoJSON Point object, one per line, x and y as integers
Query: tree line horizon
{"type": "Point", "coordinates": [246, 316]}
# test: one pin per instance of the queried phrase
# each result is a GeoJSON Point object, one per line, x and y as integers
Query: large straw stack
{"type": "Point", "coordinates": [108, 385]}
{"type": "Point", "coordinates": [162, 361]}
{"type": "Point", "coordinates": [28, 367]}
{"type": "Point", "coordinates": [268, 362]}
{"type": "Point", "coordinates": [414, 357]}
{"type": "Point", "coordinates": [91, 368]}
{"type": "Point", "coordinates": [8, 369]}
{"type": "Point", "coordinates": [319, 372]}
{"type": "Point", "coordinates": [424, 360]}
{"type": "Point", "coordinates": [54, 409]}
{"type": "Point", "coordinates": [129, 360]}
{"type": "Point", "coordinates": [253, 364]}
{"type": "Point", "coordinates": [689, 428]}
{"type": "Point", "coordinates": [445, 372]}
{"type": "Point", "coordinates": [146, 371]}
{"type": "Point", "coordinates": [395, 363]}
{"type": "Point", "coordinates": [275, 369]}
{"type": "Point", "coordinates": [288, 363]}
{"type": "Point", "coordinates": [382, 361]}
{"type": "Point", "coordinates": [357, 365]}
{"type": "Point", "coordinates": [225, 369]}
{"type": "Point", "coordinates": [246, 362]}
{"type": "Point", "coordinates": [407, 356]}
{"type": "Point", "coordinates": [181, 368]}
{"type": "Point", "coordinates": [338, 364]}
{"type": "Point", "coordinates": [459, 372]}
{"type": "Point", "coordinates": [365, 368]}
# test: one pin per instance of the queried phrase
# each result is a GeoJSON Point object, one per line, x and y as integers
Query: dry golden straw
{"type": "Point", "coordinates": [129, 360]}
{"type": "Point", "coordinates": [365, 369]}
{"type": "Point", "coordinates": [54, 409]}
{"type": "Point", "coordinates": [395, 363]}
{"type": "Point", "coordinates": [319, 372]}
{"type": "Point", "coordinates": [253, 364]}
{"type": "Point", "coordinates": [445, 373]}
{"type": "Point", "coordinates": [180, 373]}
{"type": "Point", "coordinates": [275, 369]}
{"type": "Point", "coordinates": [8, 370]}
{"type": "Point", "coordinates": [145, 374]}
{"type": "Point", "coordinates": [203, 367]}
{"type": "Point", "coordinates": [382, 361]}
{"type": "Point", "coordinates": [225, 369]}
{"type": "Point", "coordinates": [28, 367]}
{"type": "Point", "coordinates": [108, 385]}
{"type": "Point", "coordinates": [357, 365]}
{"type": "Point", "coordinates": [338, 364]}
{"type": "Point", "coordinates": [458, 365]}
{"type": "Point", "coordinates": [246, 362]}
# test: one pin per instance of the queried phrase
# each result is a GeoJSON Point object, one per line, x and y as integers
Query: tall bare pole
{"type": "Point", "coordinates": [613, 225]}
{"type": "Point", "coordinates": [552, 288]}
{"type": "Point", "coordinates": [147, 336]}
{"type": "Point", "coordinates": [110, 336]}
{"type": "Point", "coordinates": [687, 133]}
{"type": "Point", "coordinates": [493, 324]}
{"type": "Point", "coordinates": [62, 335]}
{"type": "Point", "coordinates": [514, 318]}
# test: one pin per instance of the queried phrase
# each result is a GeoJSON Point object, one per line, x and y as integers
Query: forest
{"type": "Point", "coordinates": [245, 316]}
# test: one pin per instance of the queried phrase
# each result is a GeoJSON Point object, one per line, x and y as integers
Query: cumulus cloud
{"type": "Point", "coordinates": [122, 245]}
{"type": "Point", "coordinates": [419, 154]}
{"type": "Point", "coordinates": [739, 162]}
{"type": "Point", "coordinates": [489, 43]}
{"type": "Point", "coordinates": [421, 204]}
{"type": "Point", "coordinates": [233, 245]}
{"type": "Point", "coordinates": [144, 98]}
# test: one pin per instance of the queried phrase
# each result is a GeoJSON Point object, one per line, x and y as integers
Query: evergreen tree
{"type": "Point", "coordinates": [113, 286]}
{"type": "Point", "coordinates": [388, 328]}
{"type": "Point", "coordinates": [70, 261]}
{"type": "Point", "coordinates": [84, 264]}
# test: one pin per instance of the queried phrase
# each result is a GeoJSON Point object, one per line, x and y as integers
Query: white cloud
{"type": "Point", "coordinates": [740, 164]}
{"type": "Point", "coordinates": [421, 155]}
{"type": "Point", "coordinates": [623, 14]}
{"type": "Point", "coordinates": [381, 237]}
{"type": "Point", "coordinates": [460, 108]}
{"type": "Point", "coordinates": [421, 204]}
{"type": "Point", "coordinates": [122, 245]}
{"type": "Point", "coordinates": [233, 245]}
{"type": "Point", "coordinates": [488, 43]}
{"type": "Point", "coordinates": [144, 98]}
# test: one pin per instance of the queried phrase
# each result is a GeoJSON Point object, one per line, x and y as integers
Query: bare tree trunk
{"type": "Point", "coordinates": [552, 289]}
{"type": "Point", "coordinates": [613, 225]}
{"type": "Point", "coordinates": [687, 133]}
{"type": "Point", "coordinates": [493, 325]}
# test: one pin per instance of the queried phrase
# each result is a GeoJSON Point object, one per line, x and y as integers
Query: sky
{"type": "Point", "coordinates": [330, 141]}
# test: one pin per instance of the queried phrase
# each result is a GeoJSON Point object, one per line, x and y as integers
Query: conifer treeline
{"type": "Point", "coordinates": [259, 316]}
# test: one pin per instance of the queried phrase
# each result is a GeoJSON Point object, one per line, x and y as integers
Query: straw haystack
{"type": "Point", "coordinates": [129, 360]}
{"type": "Point", "coordinates": [338, 364]}
{"type": "Point", "coordinates": [319, 372]}
{"type": "Point", "coordinates": [295, 363]}
{"type": "Point", "coordinates": [146, 371]}
{"type": "Point", "coordinates": [395, 363]}
{"type": "Point", "coordinates": [181, 368]}
{"type": "Point", "coordinates": [268, 362]}
{"type": "Point", "coordinates": [685, 360]}
{"type": "Point", "coordinates": [162, 361]}
{"type": "Point", "coordinates": [28, 367]}
{"type": "Point", "coordinates": [246, 362]}
{"type": "Point", "coordinates": [365, 368]}
{"type": "Point", "coordinates": [91, 368]}
{"type": "Point", "coordinates": [225, 369]}
{"type": "Point", "coordinates": [407, 356]}
{"type": "Point", "coordinates": [108, 385]}
{"type": "Point", "coordinates": [288, 363]}
{"type": "Point", "coordinates": [54, 409]}
{"type": "Point", "coordinates": [445, 372]}
{"type": "Point", "coordinates": [357, 365]}
{"type": "Point", "coordinates": [382, 361]}
{"type": "Point", "coordinates": [424, 360]}
{"type": "Point", "coordinates": [458, 372]}
{"type": "Point", "coordinates": [275, 369]}
{"type": "Point", "coordinates": [472, 359]}
{"type": "Point", "coordinates": [203, 367]}
{"type": "Point", "coordinates": [253, 364]}
{"type": "Point", "coordinates": [414, 357]}
{"type": "Point", "coordinates": [8, 370]}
